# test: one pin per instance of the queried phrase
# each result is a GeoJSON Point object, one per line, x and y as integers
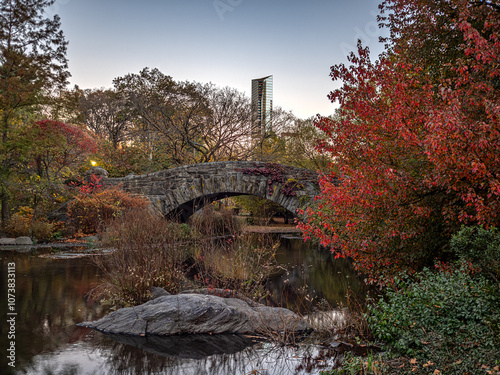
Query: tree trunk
{"type": "Point", "coordinates": [4, 197]}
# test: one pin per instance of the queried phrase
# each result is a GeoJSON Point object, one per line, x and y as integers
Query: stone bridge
{"type": "Point", "coordinates": [179, 192]}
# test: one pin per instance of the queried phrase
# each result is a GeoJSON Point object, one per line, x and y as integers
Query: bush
{"type": "Point", "coordinates": [242, 263]}
{"type": "Point", "coordinates": [481, 247]}
{"type": "Point", "coordinates": [209, 222]}
{"type": "Point", "coordinates": [148, 252]}
{"type": "Point", "coordinates": [449, 320]}
{"type": "Point", "coordinates": [151, 251]}
{"type": "Point", "coordinates": [21, 225]}
{"type": "Point", "coordinates": [89, 212]}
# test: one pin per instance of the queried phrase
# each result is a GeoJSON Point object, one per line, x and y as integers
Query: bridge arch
{"type": "Point", "coordinates": [179, 192]}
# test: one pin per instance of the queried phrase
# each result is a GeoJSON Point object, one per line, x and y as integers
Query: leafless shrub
{"type": "Point", "coordinates": [241, 263]}
{"type": "Point", "coordinates": [148, 252]}
{"type": "Point", "coordinates": [208, 222]}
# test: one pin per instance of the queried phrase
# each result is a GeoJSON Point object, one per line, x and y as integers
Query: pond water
{"type": "Point", "coordinates": [50, 300]}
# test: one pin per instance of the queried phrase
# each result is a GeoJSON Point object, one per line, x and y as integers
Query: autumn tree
{"type": "Point", "coordinates": [226, 129]}
{"type": "Point", "coordinates": [54, 154]}
{"type": "Point", "coordinates": [269, 145]}
{"type": "Point", "coordinates": [192, 122]}
{"type": "Point", "coordinates": [105, 113]}
{"type": "Point", "coordinates": [167, 111]}
{"type": "Point", "coordinates": [32, 63]}
{"type": "Point", "coordinates": [300, 140]}
{"type": "Point", "coordinates": [416, 145]}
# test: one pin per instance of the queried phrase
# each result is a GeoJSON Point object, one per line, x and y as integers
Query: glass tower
{"type": "Point", "coordinates": [262, 104]}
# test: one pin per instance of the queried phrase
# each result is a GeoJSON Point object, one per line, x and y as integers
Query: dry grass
{"type": "Point", "coordinates": [150, 251]}
{"type": "Point", "coordinates": [240, 261]}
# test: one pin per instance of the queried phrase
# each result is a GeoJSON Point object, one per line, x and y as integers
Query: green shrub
{"type": "Point", "coordinates": [481, 247]}
{"type": "Point", "coordinates": [372, 364]}
{"type": "Point", "coordinates": [451, 320]}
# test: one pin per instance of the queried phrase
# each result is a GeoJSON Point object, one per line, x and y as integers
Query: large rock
{"type": "Point", "coordinates": [195, 313]}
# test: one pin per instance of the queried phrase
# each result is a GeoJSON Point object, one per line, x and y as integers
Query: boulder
{"type": "Point", "coordinates": [199, 314]}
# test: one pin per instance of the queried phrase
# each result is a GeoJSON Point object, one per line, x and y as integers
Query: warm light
{"type": "Point", "coordinates": [94, 163]}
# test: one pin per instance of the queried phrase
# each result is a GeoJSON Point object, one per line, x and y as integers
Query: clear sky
{"type": "Point", "coordinates": [226, 42]}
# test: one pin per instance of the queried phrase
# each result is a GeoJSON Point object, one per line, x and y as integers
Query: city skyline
{"type": "Point", "coordinates": [225, 42]}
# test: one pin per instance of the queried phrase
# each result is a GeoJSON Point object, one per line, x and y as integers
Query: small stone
{"type": "Point", "coordinates": [23, 241]}
{"type": "Point", "coordinates": [7, 241]}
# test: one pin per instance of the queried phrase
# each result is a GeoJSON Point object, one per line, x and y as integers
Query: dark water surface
{"type": "Point", "coordinates": [50, 300]}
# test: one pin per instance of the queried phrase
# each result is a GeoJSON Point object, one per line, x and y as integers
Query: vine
{"type": "Point", "coordinates": [274, 173]}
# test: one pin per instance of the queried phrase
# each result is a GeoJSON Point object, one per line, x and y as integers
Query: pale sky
{"type": "Point", "coordinates": [226, 42]}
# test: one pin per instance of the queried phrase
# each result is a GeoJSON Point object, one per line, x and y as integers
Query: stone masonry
{"type": "Point", "coordinates": [179, 192]}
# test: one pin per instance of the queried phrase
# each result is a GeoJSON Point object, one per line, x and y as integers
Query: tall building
{"type": "Point", "coordinates": [262, 104]}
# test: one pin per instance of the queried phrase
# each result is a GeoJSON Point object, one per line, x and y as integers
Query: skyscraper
{"type": "Point", "coordinates": [262, 104]}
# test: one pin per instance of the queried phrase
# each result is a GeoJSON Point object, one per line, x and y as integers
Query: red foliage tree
{"type": "Point", "coordinates": [56, 146]}
{"type": "Point", "coordinates": [52, 151]}
{"type": "Point", "coordinates": [417, 145]}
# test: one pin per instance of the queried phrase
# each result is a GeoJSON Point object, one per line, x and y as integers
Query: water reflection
{"type": "Point", "coordinates": [187, 346]}
{"type": "Point", "coordinates": [51, 299]}
{"type": "Point", "coordinates": [49, 302]}
{"type": "Point", "coordinates": [107, 357]}
{"type": "Point", "coordinates": [312, 276]}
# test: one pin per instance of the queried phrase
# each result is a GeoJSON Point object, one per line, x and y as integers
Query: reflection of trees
{"type": "Point", "coordinates": [272, 359]}
{"type": "Point", "coordinates": [312, 272]}
{"type": "Point", "coordinates": [50, 300]}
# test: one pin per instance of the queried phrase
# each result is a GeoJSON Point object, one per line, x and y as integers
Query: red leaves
{"type": "Point", "coordinates": [49, 129]}
{"type": "Point", "coordinates": [88, 187]}
{"type": "Point", "coordinates": [417, 146]}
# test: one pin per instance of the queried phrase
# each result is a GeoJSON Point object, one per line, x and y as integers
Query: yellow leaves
{"type": "Point", "coordinates": [428, 364]}
{"type": "Point", "coordinates": [413, 361]}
